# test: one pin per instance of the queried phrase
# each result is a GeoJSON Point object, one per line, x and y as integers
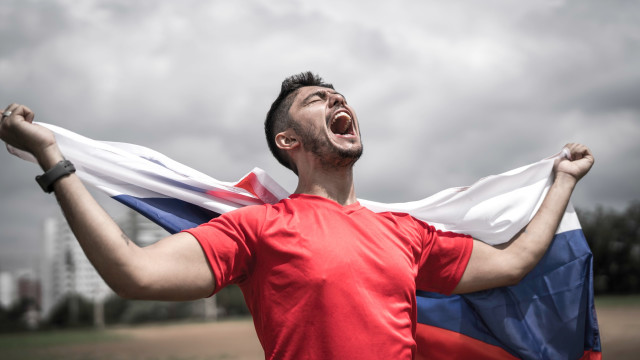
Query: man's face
{"type": "Point", "coordinates": [327, 125]}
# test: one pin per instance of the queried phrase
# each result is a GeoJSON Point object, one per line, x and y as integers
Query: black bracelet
{"type": "Point", "coordinates": [61, 169]}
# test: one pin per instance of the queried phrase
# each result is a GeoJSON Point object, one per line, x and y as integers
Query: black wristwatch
{"type": "Point", "coordinates": [61, 169]}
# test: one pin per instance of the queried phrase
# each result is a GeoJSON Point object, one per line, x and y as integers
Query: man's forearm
{"type": "Point", "coordinates": [530, 245]}
{"type": "Point", "coordinates": [107, 247]}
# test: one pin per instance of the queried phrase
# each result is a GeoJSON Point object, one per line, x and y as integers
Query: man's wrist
{"type": "Point", "coordinates": [49, 157]}
{"type": "Point", "coordinates": [51, 176]}
{"type": "Point", "coordinates": [566, 180]}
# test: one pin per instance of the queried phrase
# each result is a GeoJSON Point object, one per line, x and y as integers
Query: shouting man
{"type": "Point", "coordinates": [322, 276]}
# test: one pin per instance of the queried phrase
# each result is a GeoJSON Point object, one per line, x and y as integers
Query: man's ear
{"type": "Point", "coordinates": [287, 140]}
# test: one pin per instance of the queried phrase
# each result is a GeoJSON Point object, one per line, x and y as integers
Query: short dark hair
{"type": "Point", "coordinates": [278, 119]}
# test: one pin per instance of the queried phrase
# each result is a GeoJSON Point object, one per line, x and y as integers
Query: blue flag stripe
{"type": "Point", "coordinates": [172, 215]}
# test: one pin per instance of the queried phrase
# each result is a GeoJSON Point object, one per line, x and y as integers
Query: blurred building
{"type": "Point", "coordinates": [141, 230]}
{"type": "Point", "coordinates": [29, 297]}
{"type": "Point", "coordinates": [28, 287]}
{"type": "Point", "coordinates": [19, 286]}
{"type": "Point", "coordinates": [8, 291]}
{"type": "Point", "coordinates": [65, 268]}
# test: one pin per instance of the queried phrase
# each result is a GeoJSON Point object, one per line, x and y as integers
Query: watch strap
{"type": "Point", "coordinates": [61, 169]}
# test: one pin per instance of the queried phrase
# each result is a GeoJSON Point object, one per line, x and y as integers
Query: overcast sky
{"type": "Point", "coordinates": [446, 91]}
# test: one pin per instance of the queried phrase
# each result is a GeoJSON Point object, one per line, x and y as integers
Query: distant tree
{"type": "Point", "coordinates": [614, 238]}
{"type": "Point", "coordinates": [114, 307]}
{"type": "Point", "coordinates": [60, 316]}
{"type": "Point", "coordinates": [12, 318]}
{"type": "Point", "coordinates": [231, 301]}
{"type": "Point", "coordinates": [121, 311]}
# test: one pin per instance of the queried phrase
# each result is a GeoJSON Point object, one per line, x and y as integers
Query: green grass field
{"type": "Point", "coordinates": [34, 345]}
{"type": "Point", "coordinates": [615, 301]}
{"type": "Point", "coordinates": [56, 338]}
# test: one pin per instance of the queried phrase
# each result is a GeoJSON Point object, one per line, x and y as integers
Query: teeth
{"type": "Point", "coordinates": [346, 126]}
{"type": "Point", "coordinates": [341, 113]}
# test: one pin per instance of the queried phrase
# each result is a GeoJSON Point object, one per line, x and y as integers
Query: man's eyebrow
{"type": "Point", "coordinates": [322, 94]}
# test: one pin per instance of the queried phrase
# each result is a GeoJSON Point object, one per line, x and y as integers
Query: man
{"type": "Point", "coordinates": [323, 277]}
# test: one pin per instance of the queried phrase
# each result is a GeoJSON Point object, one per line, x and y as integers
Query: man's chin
{"type": "Point", "coordinates": [347, 157]}
{"type": "Point", "coordinates": [334, 156]}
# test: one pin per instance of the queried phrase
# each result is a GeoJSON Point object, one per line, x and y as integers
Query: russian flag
{"type": "Point", "coordinates": [550, 314]}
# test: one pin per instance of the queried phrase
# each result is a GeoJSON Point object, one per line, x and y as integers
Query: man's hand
{"type": "Point", "coordinates": [18, 130]}
{"type": "Point", "coordinates": [577, 163]}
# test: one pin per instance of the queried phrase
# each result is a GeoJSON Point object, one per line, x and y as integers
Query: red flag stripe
{"type": "Point", "coordinates": [437, 343]}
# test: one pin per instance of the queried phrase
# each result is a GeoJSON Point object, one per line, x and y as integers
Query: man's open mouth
{"type": "Point", "coordinates": [342, 124]}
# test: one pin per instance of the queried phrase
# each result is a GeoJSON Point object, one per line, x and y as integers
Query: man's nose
{"type": "Point", "coordinates": [335, 99]}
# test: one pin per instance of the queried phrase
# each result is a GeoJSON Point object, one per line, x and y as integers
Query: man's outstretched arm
{"type": "Point", "coordinates": [175, 268]}
{"type": "Point", "coordinates": [505, 265]}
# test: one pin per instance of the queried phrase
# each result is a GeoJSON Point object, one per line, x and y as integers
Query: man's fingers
{"type": "Point", "coordinates": [11, 109]}
{"type": "Point", "coordinates": [12, 105]}
{"type": "Point", "coordinates": [577, 151]}
{"type": "Point", "coordinates": [27, 113]}
{"type": "Point", "coordinates": [19, 110]}
{"type": "Point", "coordinates": [580, 160]}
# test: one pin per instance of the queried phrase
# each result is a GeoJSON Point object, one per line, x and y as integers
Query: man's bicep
{"type": "Point", "coordinates": [488, 267]}
{"type": "Point", "coordinates": [178, 269]}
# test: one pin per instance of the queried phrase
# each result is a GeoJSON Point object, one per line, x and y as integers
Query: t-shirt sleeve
{"type": "Point", "coordinates": [228, 243]}
{"type": "Point", "coordinates": [445, 256]}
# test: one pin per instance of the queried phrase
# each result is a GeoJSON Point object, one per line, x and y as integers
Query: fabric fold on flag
{"type": "Point", "coordinates": [550, 314]}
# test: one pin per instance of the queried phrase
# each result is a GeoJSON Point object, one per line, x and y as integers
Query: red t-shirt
{"type": "Point", "coordinates": [326, 281]}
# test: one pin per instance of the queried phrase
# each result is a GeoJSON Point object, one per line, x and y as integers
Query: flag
{"type": "Point", "coordinates": [550, 314]}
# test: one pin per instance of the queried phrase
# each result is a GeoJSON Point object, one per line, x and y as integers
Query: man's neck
{"type": "Point", "coordinates": [334, 184]}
